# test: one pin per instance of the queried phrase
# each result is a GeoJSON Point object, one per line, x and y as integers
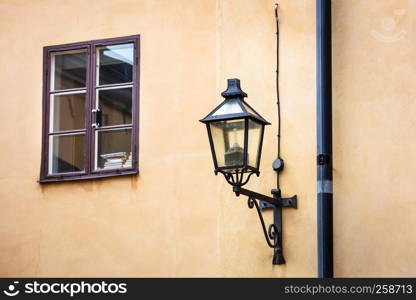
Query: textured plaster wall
{"type": "Point", "coordinates": [374, 51]}
{"type": "Point", "coordinates": [175, 218]}
{"type": "Point", "coordinates": [246, 47]}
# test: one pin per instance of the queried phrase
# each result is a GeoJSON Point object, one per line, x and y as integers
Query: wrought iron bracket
{"type": "Point", "coordinates": [273, 234]}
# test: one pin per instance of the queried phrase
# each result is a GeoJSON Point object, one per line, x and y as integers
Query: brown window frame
{"type": "Point", "coordinates": [91, 86]}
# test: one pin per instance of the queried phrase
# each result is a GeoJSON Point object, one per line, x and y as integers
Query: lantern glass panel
{"type": "Point", "coordinates": [255, 132]}
{"type": "Point", "coordinates": [228, 140]}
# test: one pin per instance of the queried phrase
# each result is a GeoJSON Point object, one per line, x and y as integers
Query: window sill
{"type": "Point", "coordinates": [87, 177]}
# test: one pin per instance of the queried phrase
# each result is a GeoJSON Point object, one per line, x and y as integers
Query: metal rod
{"type": "Point", "coordinates": [238, 190]}
{"type": "Point", "coordinates": [324, 138]}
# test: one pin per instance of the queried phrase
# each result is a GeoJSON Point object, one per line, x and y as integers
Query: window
{"type": "Point", "coordinates": [90, 109]}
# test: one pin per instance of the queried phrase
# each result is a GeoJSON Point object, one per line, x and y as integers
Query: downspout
{"type": "Point", "coordinates": [324, 138]}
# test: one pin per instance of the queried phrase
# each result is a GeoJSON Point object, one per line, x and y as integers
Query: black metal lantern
{"type": "Point", "coordinates": [235, 132]}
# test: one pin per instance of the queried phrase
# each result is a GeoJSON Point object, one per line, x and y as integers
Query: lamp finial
{"type": "Point", "coordinates": [233, 89]}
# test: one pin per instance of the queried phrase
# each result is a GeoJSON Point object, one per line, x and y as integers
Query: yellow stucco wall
{"type": "Point", "coordinates": [246, 49]}
{"type": "Point", "coordinates": [176, 218]}
{"type": "Point", "coordinates": [374, 137]}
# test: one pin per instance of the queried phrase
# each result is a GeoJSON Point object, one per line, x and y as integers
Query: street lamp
{"type": "Point", "coordinates": [235, 133]}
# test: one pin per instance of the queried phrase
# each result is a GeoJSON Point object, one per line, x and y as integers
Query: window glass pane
{"type": "Point", "coordinates": [115, 106]}
{"type": "Point", "coordinates": [69, 70]}
{"type": "Point", "coordinates": [113, 149]}
{"type": "Point", "coordinates": [115, 64]}
{"type": "Point", "coordinates": [228, 139]}
{"type": "Point", "coordinates": [66, 153]}
{"type": "Point", "coordinates": [67, 112]}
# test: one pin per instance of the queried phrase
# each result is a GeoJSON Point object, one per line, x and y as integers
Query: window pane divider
{"type": "Point", "coordinates": [68, 91]}
{"type": "Point", "coordinates": [67, 131]}
{"type": "Point", "coordinates": [121, 126]}
{"type": "Point", "coordinates": [128, 84]}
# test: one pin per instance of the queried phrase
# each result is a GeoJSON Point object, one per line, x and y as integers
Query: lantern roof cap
{"type": "Point", "coordinates": [234, 106]}
{"type": "Point", "coordinates": [233, 89]}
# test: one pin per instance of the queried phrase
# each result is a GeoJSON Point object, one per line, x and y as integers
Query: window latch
{"type": "Point", "coordinates": [97, 113]}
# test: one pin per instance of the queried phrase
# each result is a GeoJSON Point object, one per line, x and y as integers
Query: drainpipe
{"type": "Point", "coordinates": [324, 138]}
